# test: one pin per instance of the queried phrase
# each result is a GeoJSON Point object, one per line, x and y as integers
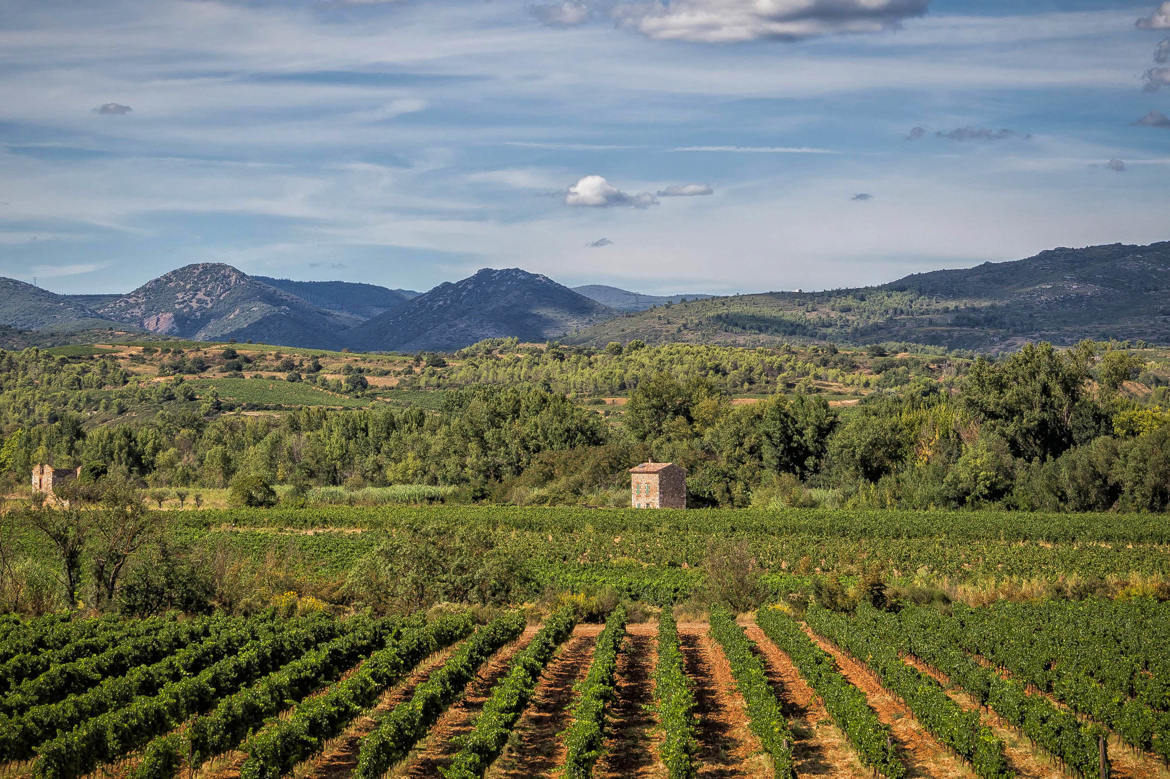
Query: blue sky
{"type": "Point", "coordinates": [717, 145]}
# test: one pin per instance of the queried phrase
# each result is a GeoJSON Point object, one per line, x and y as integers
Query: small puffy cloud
{"type": "Point", "coordinates": [1158, 20]}
{"type": "Point", "coordinates": [113, 109]}
{"type": "Point", "coordinates": [600, 243]}
{"type": "Point", "coordinates": [1154, 119]}
{"type": "Point", "coordinates": [861, 196]}
{"type": "Point", "coordinates": [1162, 53]}
{"type": "Point", "coordinates": [1156, 78]}
{"type": "Point", "coordinates": [736, 21]}
{"type": "Point", "coordinates": [1115, 164]}
{"type": "Point", "coordinates": [979, 134]}
{"type": "Point", "coordinates": [685, 190]}
{"type": "Point", "coordinates": [567, 14]}
{"type": "Point", "coordinates": [596, 192]}
{"type": "Point", "coordinates": [916, 134]}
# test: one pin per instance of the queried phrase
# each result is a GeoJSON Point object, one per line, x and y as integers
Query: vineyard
{"type": "Point", "coordinates": [1057, 688]}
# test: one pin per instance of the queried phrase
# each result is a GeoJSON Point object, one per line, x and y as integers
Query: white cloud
{"type": "Point", "coordinates": [685, 190]}
{"type": "Point", "coordinates": [1158, 20]}
{"type": "Point", "coordinates": [59, 271]}
{"type": "Point", "coordinates": [596, 192]}
{"type": "Point", "coordinates": [735, 21]}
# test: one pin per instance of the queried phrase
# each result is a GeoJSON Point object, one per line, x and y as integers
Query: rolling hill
{"type": "Point", "coordinates": [357, 301]}
{"type": "Point", "coordinates": [490, 304]}
{"type": "Point", "coordinates": [1063, 296]}
{"type": "Point", "coordinates": [25, 307]}
{"type": "Point", "coordinates": [623, 300]}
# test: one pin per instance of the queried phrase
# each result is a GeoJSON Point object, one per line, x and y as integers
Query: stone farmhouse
{"type": "Point", "coordinates": [45, 478]}
{"type": "Point", "coordinates": [658, 486]}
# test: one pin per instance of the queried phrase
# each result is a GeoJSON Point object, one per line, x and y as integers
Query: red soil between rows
{"type": "Point", "coordinates": [438, 748]}
{"type": "Point", "coordinates": [536, 748]}
{"type": "Point", "coordinates": [820, 748]}
{"type": "Point", "coordinates": [727, 746]}
{"type": "Point", "coordinates": [629, 749]}
{"type": "Point", "coordinates": [340, 757]}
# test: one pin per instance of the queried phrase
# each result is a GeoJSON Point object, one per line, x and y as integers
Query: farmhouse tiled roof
{"type": "Point", "coordinates": [652, 467]}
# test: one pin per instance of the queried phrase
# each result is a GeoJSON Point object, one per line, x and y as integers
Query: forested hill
{"type": "Point", "coordinates": [490, 304]}
{"type": "Point", "coordinates": [1062, 296]}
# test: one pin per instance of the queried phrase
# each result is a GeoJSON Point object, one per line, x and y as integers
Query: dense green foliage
{"type": "Point", "coordinates": [585, 733]}
{"type": "Point", "coordinates": [847, 705]}
{"type": "Point", "coordinates": [1038, 429]}
{"type": "Point", "coordinates": [767, 721]}
{"type": "Point", "coordinates": [492, 726]}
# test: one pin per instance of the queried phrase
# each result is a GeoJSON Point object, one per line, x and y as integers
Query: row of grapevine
{"type": "Point", "coordinates": [226, 726]}
{"type": "Point", "coordinates": [508, 697]}
{"type": "Point", "coordinates": [846, 704]}
{"type": "Point", "coordinates": [767, 721]}
{"type": "Point", "coordinates": [109, 633]}
{"type": "Point", "coordinates": [68, 678]}
{"type": "Point", "coordinates": [21, 735]}
{"type": "Point", "coordinates": [403, 726]}
{"type": "Point", "coordinates": [897, 525]}
{"type": "Point", "coordinates": [275, 750]}
{"type": "Point", "coordinates": [1057, 730]}
{"type": "Point", "coordinates": [1009, 638]}
{"type": "Point", "coordinates": [675, 702]}
{"type": "Point", "coordinates": [51, 633]}
{"type": "Point", "coordinates": [961, 730]}
{"type": "Point", "coordinates": [111, 735]}
{"type": "Point", "coordinates": [584, 736]}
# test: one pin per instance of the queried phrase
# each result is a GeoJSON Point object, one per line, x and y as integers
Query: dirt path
{"type": "Point", "coordinates": [924, 755]}
{"type": "Point", "coordinates": [630, 749]}
{"type": "Point", "coordinates": [1126, 762]}
{"type": "Point", "coordinates": [438, 747]}
{"type": "Point", "coordinates": [727, 747]}
{"type": "Point", "coordinates": [536, 748]}
{"type": "Point", "coordinates": [821, 749]}
{"type": "Point", "coordinates": [1028, 762]}
{"type": "Point", "coordinates": [340, 756]}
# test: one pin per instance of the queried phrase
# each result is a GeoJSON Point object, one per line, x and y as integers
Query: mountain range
{"type": "Point", "coordinates": [1063, 295]}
